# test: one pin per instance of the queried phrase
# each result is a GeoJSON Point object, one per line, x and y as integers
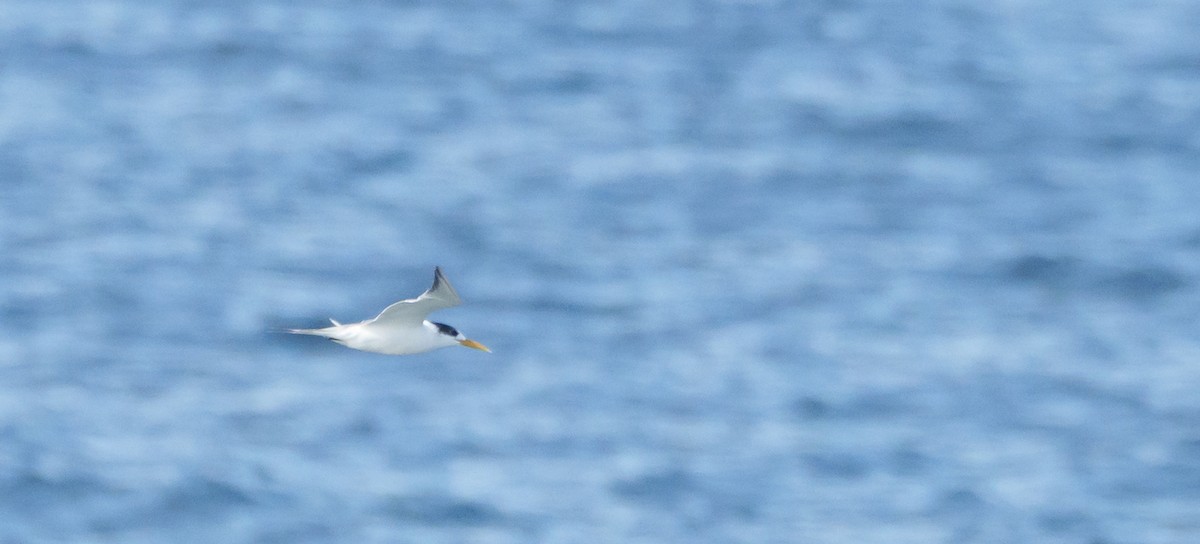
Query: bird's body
{"type": "Point", "coordinates": [401, 329]}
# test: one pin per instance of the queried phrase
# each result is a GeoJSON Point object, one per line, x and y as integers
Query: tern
{"type": "Point", "coordinates": [401, 329]}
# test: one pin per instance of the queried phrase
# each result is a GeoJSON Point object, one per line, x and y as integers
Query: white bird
{"type": "Point", "coordinates": [401, 329]}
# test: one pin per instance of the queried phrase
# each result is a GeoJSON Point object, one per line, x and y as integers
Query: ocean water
{"type": "Point", "coordinates": [753, 271]}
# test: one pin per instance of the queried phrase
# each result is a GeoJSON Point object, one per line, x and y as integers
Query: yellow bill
{"type": "Point", "coordinates": [474, 345]}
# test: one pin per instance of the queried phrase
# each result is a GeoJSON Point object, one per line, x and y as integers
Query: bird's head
{"type": "Point", "coordinates": [452, 335]}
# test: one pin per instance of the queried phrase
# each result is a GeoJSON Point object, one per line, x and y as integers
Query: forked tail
{"type": "Point", "coordinates": [328, 332]}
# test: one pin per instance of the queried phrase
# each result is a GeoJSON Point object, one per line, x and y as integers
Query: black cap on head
{"type": "Point", "coordinates": [446, 329]}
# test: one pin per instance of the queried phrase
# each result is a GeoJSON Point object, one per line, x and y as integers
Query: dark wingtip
{"type": "Point", "coordinates": [443, 287]}
{"type": "Point", "coordinates": [437, 278]}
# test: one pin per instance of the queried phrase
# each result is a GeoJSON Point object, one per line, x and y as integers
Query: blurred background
{"type": "Point", "coordinates": [753, 271]}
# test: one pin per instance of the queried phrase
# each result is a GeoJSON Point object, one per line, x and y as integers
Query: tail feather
{"type": "Point", "coordinates": [313, 332]}
{"type": "Point", "coordinates": [327, 332]}
{"type": "Point", "coordinates": [337, 332]}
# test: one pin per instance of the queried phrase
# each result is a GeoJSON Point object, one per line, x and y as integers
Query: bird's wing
{"type": "Point", "coordinates": [412, 312]}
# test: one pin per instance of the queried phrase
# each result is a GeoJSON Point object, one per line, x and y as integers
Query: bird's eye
{"type": "Point", "coordinates": [447, 329]}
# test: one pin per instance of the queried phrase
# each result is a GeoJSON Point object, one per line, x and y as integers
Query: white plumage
{"type": "Point", "coordinates": [401, 329]}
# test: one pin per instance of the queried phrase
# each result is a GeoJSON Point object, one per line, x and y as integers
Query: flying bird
{"type": "Point", "coordinates": [401, 329]}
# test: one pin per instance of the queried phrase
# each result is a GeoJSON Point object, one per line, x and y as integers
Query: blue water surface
{"type": "Point", "coordinates": [753, 271]}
